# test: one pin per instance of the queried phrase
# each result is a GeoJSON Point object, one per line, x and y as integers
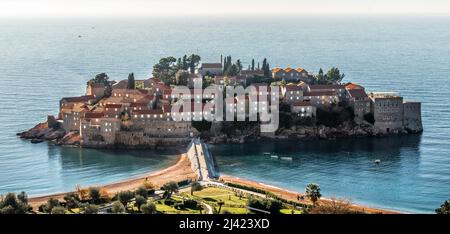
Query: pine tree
{"type": "Point", "coordinates": [253, 64]}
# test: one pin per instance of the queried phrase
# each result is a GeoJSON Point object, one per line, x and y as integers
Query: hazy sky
{"type": "Point", "coordinates": [33, 8]}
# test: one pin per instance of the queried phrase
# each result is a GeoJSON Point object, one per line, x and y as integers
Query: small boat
{"type": "Point", "coordinates": [286, 158]}
{"type": "Point", "coordinates": [274, 156]}
{"type": "Point", "coordinates": [79, 36]}
{"type": "Point", "coordinates": [266, 154]}
{"type": "Point", "coordinates": [377, 161]}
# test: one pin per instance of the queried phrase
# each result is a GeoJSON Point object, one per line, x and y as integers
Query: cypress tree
{"type": "Point", "coordinates": [131, 82]}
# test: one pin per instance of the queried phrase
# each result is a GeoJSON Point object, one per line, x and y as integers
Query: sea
{"type": "Point", "coordinates": [43, 60]}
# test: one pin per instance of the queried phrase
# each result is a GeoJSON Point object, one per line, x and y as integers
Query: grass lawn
{"type": "Point", "coordinates": [289, 211]}
{"type": "Point", "coordinates": [232, 203]}
{"type": "Point", "coordinates": [213, 195]}
{"type": "Point", "coordinates": [234, 210]}
{"type": "Point", "coordinates": [170, 209]}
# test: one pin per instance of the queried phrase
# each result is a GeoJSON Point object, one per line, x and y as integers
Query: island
{"type": "Point", "coordinates": [134, 113]}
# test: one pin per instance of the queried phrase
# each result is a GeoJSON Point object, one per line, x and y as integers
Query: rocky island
{"type": "Point", "coordinates": [139, 113]}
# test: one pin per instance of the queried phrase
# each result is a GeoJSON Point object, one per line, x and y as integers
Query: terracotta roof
{"type": "Point", "coordinates": [293, 88]}
{"type": "Point", "coordinates": [92, 115]}
{"type": "Point", "coordinates": [358, 93]}
{"type": "Point", "coordinates": [161, 86]}
{"type": "Point", "coordinates": [353, 86]}
{"type": "Point", "coordinates": [78, 99]}
{"type": "Point", "coordinates": [320, 93]}
{"type": "Point", "coordinates": [288, 69]}
{"type": "Point", "coordinates": [113, 106]}
{"type": "Point", "coordinates": [212, 65]}
{"type": "Point", "coordinates": [123, 84]}
{"type": "Point", "coordinates": [148, 112]}
{"type": "Point", "coordinates": [299, 69]}
{"type": "Point", "coordinates": [137, 104]}
{"type": "Point", "coordinates": [277, 69]}
{"type": "Point", "coordinates": [329, 87]}
{"type": "Point", "coordinates": [154, 79]}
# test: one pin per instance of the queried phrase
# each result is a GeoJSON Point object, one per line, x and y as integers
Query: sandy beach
{"type": "Point", "coordinates": [182, 171]}
{"type": "Point", "coordinates": [290, 195]}
{"type": "Point", "coordinates": [177, 172]}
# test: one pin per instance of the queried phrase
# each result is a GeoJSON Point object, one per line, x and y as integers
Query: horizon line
{"type": "Point", "coordinates": [240, 14]}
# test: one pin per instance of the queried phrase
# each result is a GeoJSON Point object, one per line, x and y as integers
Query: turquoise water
{"type": "Point", "coordinates": [43, 60]}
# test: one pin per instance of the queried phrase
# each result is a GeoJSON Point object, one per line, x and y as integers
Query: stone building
{"type": "Point", "coordinates": [412, 116]}
{"type": "Point", "coordinates": [292, 93]}
{"type": "Point", "coordinates": [321, 99]}
{"type": "Point", "coordinates": [303, 109]}
{"type": "Point", "coordinates": [360, 102]}
{"type": "Point", "coordinates": [339, 89]}
{"type": "Point", "coordinates": [290, 74]}
{"type": "Point", "coordinates": [97, 90]}
{"type": "Point", "coordinates": [213, 69]}
{"type": "Point", "coordinates": [387, 109]}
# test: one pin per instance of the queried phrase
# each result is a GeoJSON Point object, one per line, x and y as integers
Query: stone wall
{"type": "Point", "coordinates": [388, 114]}
{"type": "Point", "coordinates": [412, 116]}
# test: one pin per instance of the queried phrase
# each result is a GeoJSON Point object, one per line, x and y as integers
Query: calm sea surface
{"type": "Point", "coordinates": [44, 60]}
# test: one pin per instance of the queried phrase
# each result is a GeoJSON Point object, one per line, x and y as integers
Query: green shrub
{"type": "Point", "coordinates": [91, 209]}
{"type": "Point", "coordinates": [117, 207]}
{"type": "Point", "coordinates": [142, 191]}
{"type": "Point", "coordinates": [58, 210]}
{"type": "Point", "coordinates": [125, 196]}
{"type": "Point", "coordinates": [140, 200]}
{"type": "Point", "coordinates": [149, 208]}
{"type": "Point", "coordinates": [190, 203]}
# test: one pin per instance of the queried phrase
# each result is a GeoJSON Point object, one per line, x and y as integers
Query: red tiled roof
{"type": "Point", "coordinates": [123, 84]}
{"type": "Point", "coordinates": [148, 111]}
{"type": "Point", "coordinates": [78, 99]}
{"type": "Point", "coordinates": [93, 115]}
{"type": "Point", "coordinates": [319, 87]}
{"type": "Point", "coordinates": [353, 86]}
{"type": "Point", "coordinates": [276, 69]}
{"type": "Point", "coordinates": [293, 88]}
{"type": "Point", "coordinates": [320, 93]}
{"type": "Point", "coordinates": [113, 106]}
{"type": "Point", "coordinates": [138, 104]}
{"type": "Point", "coordinates": [357, 93]}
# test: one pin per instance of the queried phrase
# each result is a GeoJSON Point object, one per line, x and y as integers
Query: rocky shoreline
{"type": "Point", "coordinates": [50, 133]}
{"type": "Point", "coordinates": [57, 135]}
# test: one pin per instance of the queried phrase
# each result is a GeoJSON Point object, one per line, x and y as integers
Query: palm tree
{"type": "Point", "coordinates": [220, 203]}
{"type": "Point", "coordinates": [313, 192]}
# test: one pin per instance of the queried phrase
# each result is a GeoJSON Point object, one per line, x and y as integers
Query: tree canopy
{"type": "Point", "coordinates": [167, 67]}
{"type": "Point", "coordinates": [333, 76]}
